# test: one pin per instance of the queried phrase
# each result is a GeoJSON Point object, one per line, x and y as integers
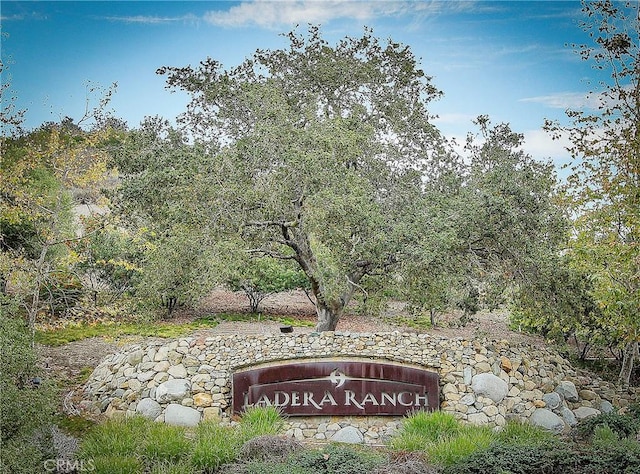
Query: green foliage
{"type": "Point", "coordinates": [74, 425]}
{"type": "Point", "coordinates": [25, 408]}
{"type": "Point", "coordinates": [76, 332]}
{"type": "Point", "coordinates": [338, 459]}
{"type": "Point", "coordinates": [442, 439]}
{"type": "Point", "coordinates": [164, 443]}
{"type": "Point", "coordinates": [452, 449]}
{"type": "Point", "coordinates": [258, 421]}
{"type": "Point", "coordinates": [603, 182]}
{"type": "Point", "coordinates": [142, 445]}
{"type": "Point", "coordinates": [214, 446]}
{"type": "Point", "coordinates": [551, 458]}
{"type": "Point", "coordinates": [116, 464]}
{"type": "Point", "coordinates": [118, 437]}
{"type": "Point", "coordinates": [423, 428]}
{"type": "Point", "coordinates": [307, 169]}
{"type": "Point", "coordinates": [558, 303]}
{"type": "Point", "coordinates": [623, 425]}
{"type": "Point", "coordinates": [259, 278]}
{"type": "Point", "coordinates": [110, 260]}
{"type": "Point", "coordinates": [516, 432]}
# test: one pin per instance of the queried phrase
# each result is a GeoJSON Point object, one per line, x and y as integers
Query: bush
{"type": "Point", "coordinates": [166, 443]}
{"type": "Point", "coordinates": [441, 437]}
{"type": "Point", "coordinates": [521, 433]}
{"type": "Point", "coordinates": [550, 458]}
{"type": "Point", "coordinates": [422, 428]}
{"type": "Point", "coordinates": [116, 464]}
{"type": "Point", "coordinates": [456, 447]}
{"type": "Point", "coordinates": [26, 407]}
{"type": "Point", "coordinates": [264, 467]}
{"type": "Point", "coordinates": [116, 437]}
{"type": "Point", "coordinates": [625, 426]}
{"type": "Point", "coordinates": [258, 421]}
{"type": "Point", "coordinates": [338, 459]}
{"type": "Point", "coordinates": [214, 446]}
{"type": "Point", "coordinates": [268, 447]}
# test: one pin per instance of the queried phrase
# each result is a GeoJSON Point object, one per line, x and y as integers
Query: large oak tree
{"type": "Point", "coordinates": [317, 156]}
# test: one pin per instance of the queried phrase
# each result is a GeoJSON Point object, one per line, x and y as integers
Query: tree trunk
{"type": "Point", "coordinates": [328, 316]}
{"type": "Point", "coordinates": [628, 359]}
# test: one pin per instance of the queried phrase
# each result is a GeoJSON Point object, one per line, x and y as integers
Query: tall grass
{"type": "Point", "coordinates": [452, 449]}
{"type": "Point", "coordinates": [115, 437]}
{"type": "Point", "coordinates": [440, 437]}
{"type": "Point", "coordinates": [258, 421]}
{"type": "Point", "coordinates": [135, 444]}
{"type": "Point", "coordinates": [423, 428]}
{"type": "Point", "coordinates": [165, 443]}
{"type": "Point", "coordinates": [214, 446]}
{"type": "Point", "coordinates": [519, 433]}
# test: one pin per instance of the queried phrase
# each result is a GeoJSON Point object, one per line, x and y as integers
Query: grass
{"type": "Point", "coordinates": [450, 450]}
{"type": "Point", "coordinates": [522, 434]}
{"type": "Point", "coordinates": [113, 330]}
{"type": "Point", "coordinates": [167, 329]}
{"type": "Point", "coordinates": [137, 445]}
{"type": "Point", "coordinates": [442, 439]}
{"type": "Point", "coordinates": [258, 421]}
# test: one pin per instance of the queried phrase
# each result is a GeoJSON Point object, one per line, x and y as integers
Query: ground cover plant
{"type": "Point", "coordinates": [427, 443]}
{"type": "Point", "coordinates": [75, 331]}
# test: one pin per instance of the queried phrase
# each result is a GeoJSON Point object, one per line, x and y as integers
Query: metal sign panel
{"type": "Point", "coordinates": [337, 388]}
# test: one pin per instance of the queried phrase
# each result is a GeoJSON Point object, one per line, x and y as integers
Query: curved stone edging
{"type": "Point", "coordinates": [482, 381]}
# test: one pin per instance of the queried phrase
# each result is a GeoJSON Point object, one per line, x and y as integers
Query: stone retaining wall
{"type": "Point", "coordinates": [482, 381]}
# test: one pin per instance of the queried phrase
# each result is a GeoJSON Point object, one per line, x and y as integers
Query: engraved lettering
{"type": "Point", "coordinates": [370, 398]}
{"type": "Point", "coordinates": [422, 398]}
{"type": "Point", "coordinates": [390, 397]}
{"type": "Point", "coordinates": [328, 398]}
{"type": "Point", "coordinates": [281, 399]}
{"type": "Point", "coordinates": [350, 397]}
{"type": "Point", "coordinates": [308, 398]}
{"type": "Point", "coordinates": [295, 399]}
{"type": "Point", "coordinates": [400, 398]}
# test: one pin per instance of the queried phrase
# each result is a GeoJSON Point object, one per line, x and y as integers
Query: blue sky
{"type": "Point", "coordinates": [507, 59]}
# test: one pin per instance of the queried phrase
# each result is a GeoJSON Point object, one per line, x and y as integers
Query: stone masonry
{"type": "Point", "coordinates": [484, 381]}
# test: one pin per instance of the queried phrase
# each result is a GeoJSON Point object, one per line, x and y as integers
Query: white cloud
{"type": "Point", "coordinates": [273, 14]}
{"type": "Point", "coordinates": [455, 118]}
{"type": "Point", "coordinates": [541, 146]}
{"type": "Point", "coordinates": [566, 100]}
{"type": "Point", "coordinates": [151, 20]}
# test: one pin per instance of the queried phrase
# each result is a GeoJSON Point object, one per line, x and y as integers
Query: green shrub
{"type": "Point", "coordinates": [214, 446]}
{"type": "Point", "coordinates": [522, 433]}
{"type": "Point", "coordinates": [258, 421]}
{"type": "Point", "coordinates": [422, 428]}
{"type": "Point", "coordinates": [116, 437]}
{"type": "Point", "coordinates": [264, 467]}
{"type": "Point", "coordinates": [450, 450]}
{"type": "Point", "coordinates": [505, 458]}
{"type": "Point", "coordinates": [26, 408]}
{"type": "Point", "coordinates": [625, 426]}
{"type": "Point", "coordinates": [550, 458]}
{"type": "Point", "coordinates": [180, 467]}
{"type": "Point", "coordinates": [116, 464]}
{"type": "Point", "coordinates": [166, 443]}
{"type": "Point", "coordinates": [408, 442]}
{"type": "Point", "coordinates": [338, 459]}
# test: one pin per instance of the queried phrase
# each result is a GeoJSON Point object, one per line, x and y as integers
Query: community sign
{"type": "Point", "coordinates": [351, 387]}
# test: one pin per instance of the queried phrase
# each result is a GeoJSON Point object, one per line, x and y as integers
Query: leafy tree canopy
{"type": "Point", "coordinates": [605, 174]}
{"type": "Point", "coordinates": [313, 154]}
